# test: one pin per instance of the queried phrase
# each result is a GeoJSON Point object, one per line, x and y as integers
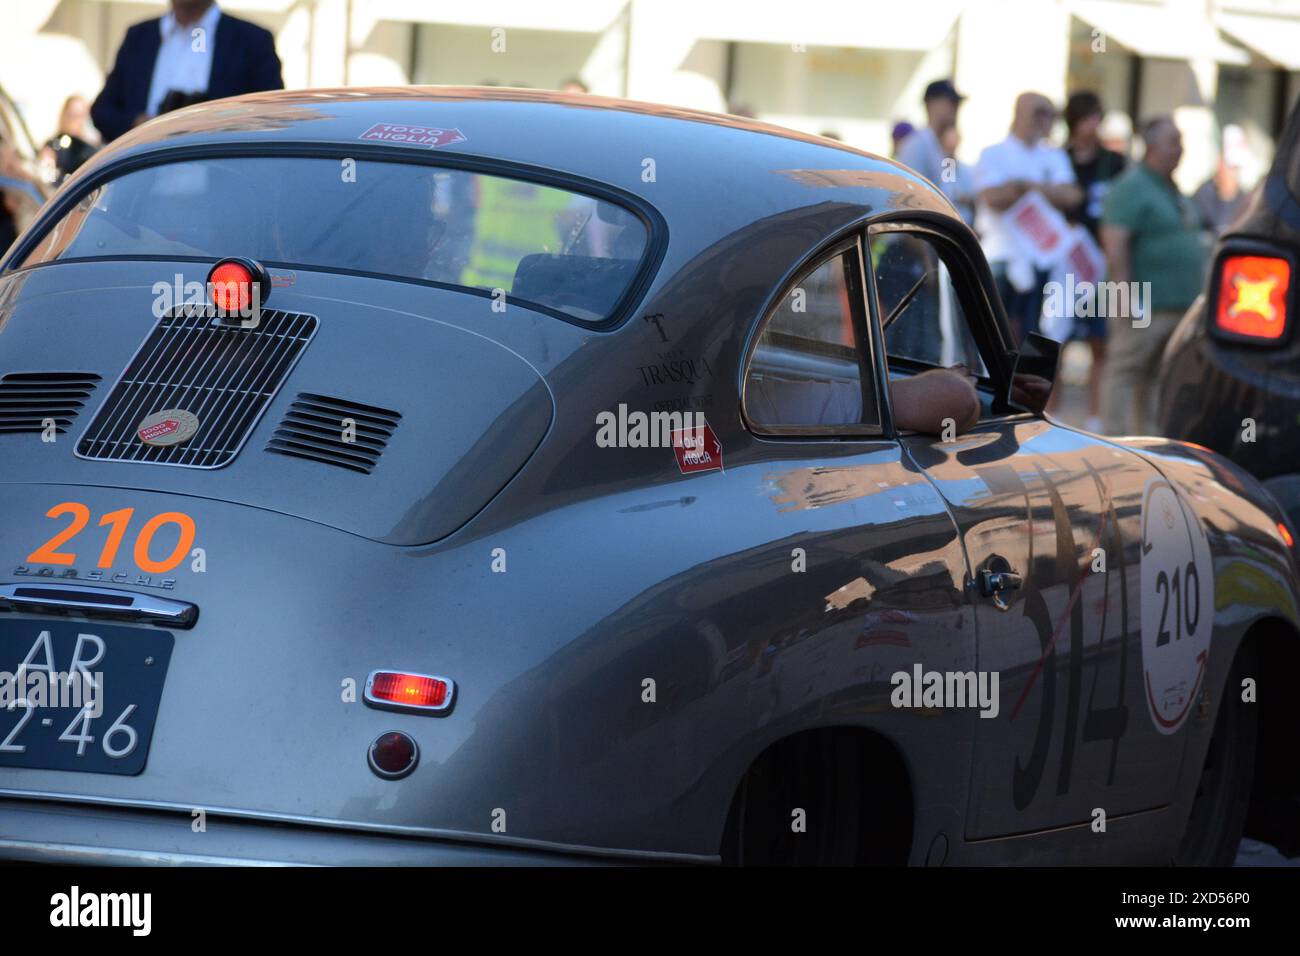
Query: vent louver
{"type": "Point", "coordinates": [28, 399]}
{"type": "Point", "coordinates": [314, 428]}
{"type": "Point", "coordinates": [224, 376]}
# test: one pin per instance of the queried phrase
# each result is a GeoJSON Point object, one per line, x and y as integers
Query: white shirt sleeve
{"type": "Point", "coordinates": [990, 171]}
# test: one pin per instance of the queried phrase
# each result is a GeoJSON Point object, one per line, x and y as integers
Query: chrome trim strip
{"type": "Point", "coordinates": [81, 855]}
{"type": "Point", "coordinates": [463, 836]}
{"type": "Point", "coordinates": [40, 596]}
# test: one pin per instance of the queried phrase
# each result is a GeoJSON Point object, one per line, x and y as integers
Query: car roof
{"type": "Point", "coordinates": [673, 158]}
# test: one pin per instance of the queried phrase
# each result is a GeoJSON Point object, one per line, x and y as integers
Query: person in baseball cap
{"type": "Point", "coordinates": [943, 90]}
{"type": "Point", "coordinates": [923, 150]}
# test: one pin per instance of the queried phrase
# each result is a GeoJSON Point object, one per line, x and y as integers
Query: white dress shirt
{"type": "Point", "coordinates": [1003, 162]}
{"type": "Point", "coordinates": [185, 57]}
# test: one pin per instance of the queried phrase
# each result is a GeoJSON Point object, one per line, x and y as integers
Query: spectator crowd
{"type": "Point", "coordinates": [1144, 232]}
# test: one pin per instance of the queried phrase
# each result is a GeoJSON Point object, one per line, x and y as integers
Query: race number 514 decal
{"type": "Point", "coordinates": [117, 523]}
{"type": "Point", "coordinates": [1177, 604]}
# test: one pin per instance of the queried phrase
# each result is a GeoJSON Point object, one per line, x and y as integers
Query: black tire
{"type": "Point", "coordinates": [825, 780]}
{"type": "Point", "coordinates": [1218, 815]}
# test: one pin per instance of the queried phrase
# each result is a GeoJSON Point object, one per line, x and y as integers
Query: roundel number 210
{"type": "Point", "coordinates": [117, 522]}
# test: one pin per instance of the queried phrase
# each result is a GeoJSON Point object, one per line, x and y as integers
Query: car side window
{"type": "Point", "coordinates": [807, 373]}
{"type": "Point", "coordinates": [921, 313]}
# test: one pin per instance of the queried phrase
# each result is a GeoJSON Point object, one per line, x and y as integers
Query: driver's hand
{"type": "Point", "coordinates": [1030, 391]}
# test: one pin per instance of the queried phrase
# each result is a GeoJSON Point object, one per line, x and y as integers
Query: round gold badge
{"type": "Point", "coordinates": [171, 426]}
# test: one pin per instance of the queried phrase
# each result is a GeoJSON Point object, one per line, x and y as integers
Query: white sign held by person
{"type": "Point", "coordinates": [1038, 229]}
{"type": "Point", "coordinates": [1072, 290]}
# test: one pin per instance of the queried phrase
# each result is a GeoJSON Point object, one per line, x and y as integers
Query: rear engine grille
{"type": "Point", "coordinates": [224, 376]}
{"type": "Point", "coordinates": [315, 426]}
{"type": "Point", "coordinates": [28, 399]}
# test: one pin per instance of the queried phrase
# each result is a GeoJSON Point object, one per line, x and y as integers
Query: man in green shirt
{"type": "Point", "coordinates": [1152, 240]}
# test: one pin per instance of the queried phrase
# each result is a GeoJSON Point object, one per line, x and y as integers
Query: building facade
{"type": "Point", "coordinates": [848, 67]}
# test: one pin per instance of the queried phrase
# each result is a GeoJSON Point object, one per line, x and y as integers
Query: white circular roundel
{"type": "Point", "coordinates": [1177, 604]}
{"type": "Point", "coordinates": [171, 426]}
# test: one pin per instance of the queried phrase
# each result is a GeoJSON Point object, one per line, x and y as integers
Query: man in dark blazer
{"type": "Point", "coordinates": [194, 53]}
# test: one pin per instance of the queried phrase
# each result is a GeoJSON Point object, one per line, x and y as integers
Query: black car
{"type": "Point", "coordinates": [1230, 378]}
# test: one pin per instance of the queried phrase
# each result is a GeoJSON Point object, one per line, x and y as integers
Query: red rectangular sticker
{"type": "Point", "coordinates": [426, 137]}
{"type": "Point", "coordinates": [697, 450]}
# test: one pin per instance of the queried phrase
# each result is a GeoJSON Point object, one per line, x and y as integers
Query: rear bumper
{"type": "Point", "coordinates": [61, 833]}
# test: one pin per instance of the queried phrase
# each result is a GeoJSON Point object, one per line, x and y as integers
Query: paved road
{"type": "Point", "coordinates": [1254, 853]}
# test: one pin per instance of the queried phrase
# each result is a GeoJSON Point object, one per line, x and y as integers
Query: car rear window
{"type": "Point", "coordinates": [559, 249]}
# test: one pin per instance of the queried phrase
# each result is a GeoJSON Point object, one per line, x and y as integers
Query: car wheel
{"type": "Point", "coordinates": [1218, 814]}
{"type": "Point", "coordinates": [819, 774]}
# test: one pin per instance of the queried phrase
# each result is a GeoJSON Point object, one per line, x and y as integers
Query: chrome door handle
{"type": "Point", "coordinates": [993, 583]}
{"type": "Point", "coordinates": [49, 596]}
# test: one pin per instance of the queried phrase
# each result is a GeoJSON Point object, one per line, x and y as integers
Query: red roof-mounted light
{"type": "Point", "coordinates": [1252, 300]}
{"type": "Point", "coordinates": [238, 286]}
{"type": "Point", "coordinates": [416, 693]}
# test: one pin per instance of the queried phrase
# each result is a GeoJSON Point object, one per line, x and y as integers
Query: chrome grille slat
{"type": "Point", "coordinates": [312, 430]}
{"type": "Point", "coordinates": [41, 402]}
{"type": "Point", "coordinates": [267, 367]}
{"type": "Point", "coordinates": [263, 366]}
{"type": "Point", "coordinates": [27, 399]}
{"type": "Point", "coordinates": [332, 424]}
{"type": "Point", "coordinates": [205, 401]}
{"type": "Point", "coordinates": [152, 356]}
{"type": "Point", "coordinates": [307, 430]}
{"type": "Point", "coordinates": [333, 450]}
{"type": "Point", "coordinates": [224, 375]}
{"type": "Point", "coordinates": [286, 449]}
{"type": "Point", "coordinates": [330, 443]}
{"type": "Point", "coordinates": [350, 409]}
{"type": "Point", "coordinates": [205, 363]}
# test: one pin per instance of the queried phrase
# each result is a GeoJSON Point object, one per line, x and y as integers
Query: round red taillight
{"type": "Point", "coordinates": [393, 755]}
{"type": "Point", "coordinates": [230, 284]}
{"type": "Point", "coordinates": [239, 286]}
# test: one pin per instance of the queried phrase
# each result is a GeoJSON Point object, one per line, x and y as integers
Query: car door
{"type": "Point", "coordinates": [1051, 522]}
{"type": "Point", "coordinates": [860, 577]}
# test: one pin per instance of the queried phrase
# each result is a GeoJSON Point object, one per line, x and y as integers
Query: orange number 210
{"type": "Point", "coordinates": [49, 552]}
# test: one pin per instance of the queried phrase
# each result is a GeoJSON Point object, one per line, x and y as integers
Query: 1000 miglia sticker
{"type": "Point", "coordinates": [1177, 605]}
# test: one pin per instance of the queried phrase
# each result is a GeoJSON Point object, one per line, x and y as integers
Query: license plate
{"type": "Point", "coordinates": [79, 696]}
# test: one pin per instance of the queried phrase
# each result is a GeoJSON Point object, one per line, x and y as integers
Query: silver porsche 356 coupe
{"type": "Point", "coordinates": [456, 476]}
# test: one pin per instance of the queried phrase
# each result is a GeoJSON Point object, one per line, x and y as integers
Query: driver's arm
{"type": "Point", "coordinates": [925, 402]}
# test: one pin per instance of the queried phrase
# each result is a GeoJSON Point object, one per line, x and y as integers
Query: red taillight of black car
{"type": "Point", "coordinates": [1253, 292]}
